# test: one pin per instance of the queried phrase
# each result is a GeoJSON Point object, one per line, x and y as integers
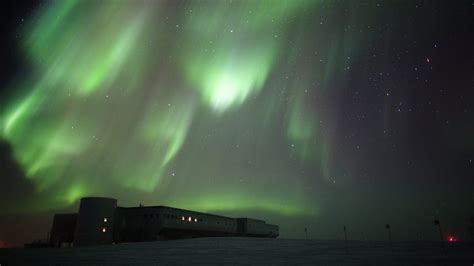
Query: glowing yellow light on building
{"type": "Point", "coordinates": [182, 218]}
{"type": "Point", "coordinates": [189, 219]}
{"type": "Point", "coordinates": [104, 230]}
{"type": "Point", "coordinates": [105, 220]}
{"type": "Point", "coordinates": [195, 220]}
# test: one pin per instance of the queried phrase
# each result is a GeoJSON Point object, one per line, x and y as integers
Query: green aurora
{"type": "Point", "coordinates": [191, 108]}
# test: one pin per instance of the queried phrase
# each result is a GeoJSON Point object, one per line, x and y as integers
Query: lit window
{"type": "Point", "coordinates": [189, 218]}
{"type": "Point", "coordinates": [105, 220]}
{"type": "Point", "coordinates": [104, 230]}
{"type": "Point", "coordinates": [195, 220]}
{"type": "Point", "coordinates": [182, 218]}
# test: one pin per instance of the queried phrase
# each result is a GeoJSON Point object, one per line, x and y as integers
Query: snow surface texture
{"type": "Point", "coordinates": [247, 251]}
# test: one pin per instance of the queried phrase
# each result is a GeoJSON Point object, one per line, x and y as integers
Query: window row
{"type": "Point", "coordinates": [184, 218]}
{"type": "Point", "coordinates": [172, 216]}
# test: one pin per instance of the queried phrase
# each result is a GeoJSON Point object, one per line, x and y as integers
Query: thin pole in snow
{"type": "Point", "coordinates": [441, 237]}
{"type": "Point", "coordinates": [345, 240]}
{"type": "Point", "coordinates": [387, 226]}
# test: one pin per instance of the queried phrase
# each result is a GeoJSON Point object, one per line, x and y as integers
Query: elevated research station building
{"type": "Point", "coordinates": [100, 221]}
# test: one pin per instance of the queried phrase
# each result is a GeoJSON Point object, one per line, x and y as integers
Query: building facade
{"type": "Point", "coordinates": [100, 221]}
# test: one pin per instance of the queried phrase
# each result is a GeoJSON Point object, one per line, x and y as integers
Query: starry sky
{"type": "Point", "coordinates": [304, 113]}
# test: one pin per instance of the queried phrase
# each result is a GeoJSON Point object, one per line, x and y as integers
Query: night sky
{"type": "Point", "coordinates": [314, 114]}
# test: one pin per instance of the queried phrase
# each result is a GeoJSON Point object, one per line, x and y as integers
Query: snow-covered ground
{"type": "Point", "coordinates": [247, 251]}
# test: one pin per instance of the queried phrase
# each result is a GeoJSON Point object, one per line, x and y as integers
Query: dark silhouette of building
{"type": "Point", "coordinates": [100, 221]}
{"type": "Point", "coordinates": [62, 231]}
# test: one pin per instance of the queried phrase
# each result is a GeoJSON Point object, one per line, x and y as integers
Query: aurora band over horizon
{"type": "Point", "coordinates": [127, 98]}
